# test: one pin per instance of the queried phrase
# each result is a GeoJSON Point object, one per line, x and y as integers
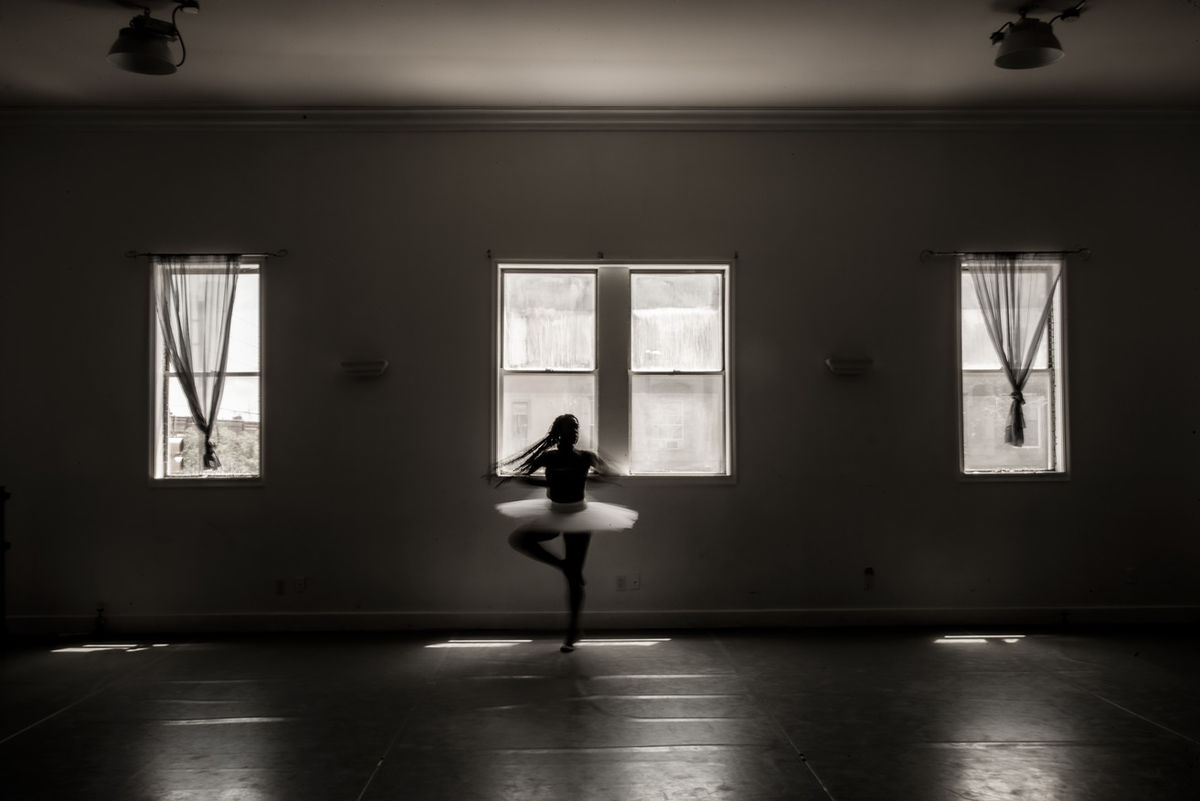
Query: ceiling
{"type": "Point", "coordinates": [260, 54]}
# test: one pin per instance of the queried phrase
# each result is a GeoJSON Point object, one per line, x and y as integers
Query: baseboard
{"type": "Point", "coordinates": [251, 622]}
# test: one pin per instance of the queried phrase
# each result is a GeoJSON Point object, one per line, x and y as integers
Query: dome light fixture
{"type": "Point", "coordinates": [1029, 42]}
{"type": "Point", "coordinates": [143, 47]}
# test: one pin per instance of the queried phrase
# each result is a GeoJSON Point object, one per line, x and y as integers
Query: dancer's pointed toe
{"type": "Point", "coordinates": [570, 640]}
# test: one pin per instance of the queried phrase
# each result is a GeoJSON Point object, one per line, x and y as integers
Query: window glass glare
{"type": "Point", "coordinates": [677, 424]}
{"type": "Point", "coordinates": [676, 321]}
{"type": "Point", "coordinates": [978, 353]}
{"type": "Point", "coordinates": [549, 321]}
{"type": "Point", "coordinates": [244, 329]}
{"type": "Point", "coordinates": [986, 403]}
{"type": "Point", "coordinates": [530, 402]}
{"type": "Point", "coordinates": [986, 391]}
{"type": "Point", "coordinates": [642, 346]}
{"type": "Point", "coordinates": [239, 399]}
{"type": "Point", "coordinates": [178, 442]}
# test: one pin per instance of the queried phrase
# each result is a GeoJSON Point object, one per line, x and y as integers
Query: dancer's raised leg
{"type": "Point", "coordinates": [529, 542]}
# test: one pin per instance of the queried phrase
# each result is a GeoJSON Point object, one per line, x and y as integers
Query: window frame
{"type": "Point", "coordinates": [160, 372]}
{"type": "Point", "coordinates": [613, 369]}
{"type": "Point", "coordinates": [1058, 425]}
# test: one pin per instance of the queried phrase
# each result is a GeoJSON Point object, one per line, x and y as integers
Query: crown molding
{"type": "Point", "coordinates": [593, 119]}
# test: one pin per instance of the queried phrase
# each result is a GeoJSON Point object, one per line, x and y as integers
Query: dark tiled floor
{"type": "Point", "coordinates": [862, 715]}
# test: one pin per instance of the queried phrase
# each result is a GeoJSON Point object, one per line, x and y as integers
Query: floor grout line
{"type": "Point", "coordinates": [404, 721]}
{"type": "Point", "coordinates": [773, 720]}
{"type": "Point", "coordinates": [104, 685]}
{"type": "Point", "coordinates": [1058, 676]}
{"type": "Point", "coordinates": [815, 776]}
{"type": "Point", "coordinates": [57, 712]}
{"type": "Point", "coordinates": [1152, 722]}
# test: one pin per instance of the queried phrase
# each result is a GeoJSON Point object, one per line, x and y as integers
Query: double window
{"type": "Point", "coordinates": [199, 312]}
{"type": "Point", "coordinates": [1011, 312]}
{"type": "Point", "coordinates": [638, 352]}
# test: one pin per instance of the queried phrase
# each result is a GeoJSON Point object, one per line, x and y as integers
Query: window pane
{"type": "Point", "coordinates": [244, 330]}
{"type": "Point", "coordinates": [236, 434]}
{"type": "Point", "coordinates": [549, 321]}
{"type": "Point", "coordinates": [529, 404]}
{"type": "Point", "coordinates": [986, 403]}
{"type": "Point", "coordinates": [678, 424]}
{"type": "Point", "coordinates": [978, 353]}
{"type": "Point", "coordinates": [677, 321]}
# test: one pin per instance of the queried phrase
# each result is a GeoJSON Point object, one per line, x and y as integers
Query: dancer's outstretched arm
{"type": "Point", "coordinates": [602, 470]}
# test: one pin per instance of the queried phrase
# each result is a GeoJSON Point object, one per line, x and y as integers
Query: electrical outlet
{"type": "Point", "coordinates": [622, 583]}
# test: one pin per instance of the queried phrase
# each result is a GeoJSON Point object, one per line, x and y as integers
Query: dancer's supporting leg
{"type": "Point", "coordinates": [576, 548]}
{"type": "Point", "coordinates": [529, 542]}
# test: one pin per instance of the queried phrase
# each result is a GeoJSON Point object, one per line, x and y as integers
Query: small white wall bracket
{"type": "Point", "coordinates": [848, 365]}
{"type": "Point", "coordinates": [368, 368]}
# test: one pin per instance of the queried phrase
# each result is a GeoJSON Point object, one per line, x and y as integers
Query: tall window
{"type": "Point", "coordinates": [178, 447]}
{"type": "Point", "coordinates": [1002, 304]}
{"type": "Point", "coordinates": [638, 352]}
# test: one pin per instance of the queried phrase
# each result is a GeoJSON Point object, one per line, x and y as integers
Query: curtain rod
{"type": "Point", "coordinates": [1085, 252]}
{"type": "Point", "coordinates": [278, 254]}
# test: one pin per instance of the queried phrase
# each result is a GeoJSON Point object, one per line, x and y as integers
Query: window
{"type": "Point", "coordinates": [638, 352]}
{"type": "Point", "coordinates": [177, 441]}
{"type": "Point", "coordinates": [986, 397]}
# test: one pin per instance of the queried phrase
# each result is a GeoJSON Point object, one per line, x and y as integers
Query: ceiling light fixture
{"type": "Point", "coordinates": [143, 46]}
{"type": "Point", "coordinates": [1029, 42]}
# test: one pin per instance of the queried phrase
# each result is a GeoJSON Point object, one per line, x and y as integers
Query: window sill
{"type": "Point", "coordinates": [256, 481]}
{"type": "Point", "coordinates": [1012, 477]}
{"type": "Point", "coordinates": [664, 480]}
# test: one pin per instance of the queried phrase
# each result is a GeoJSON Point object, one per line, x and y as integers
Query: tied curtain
{"type": "Point", "coordinates": [1016, 294]}
{"type": "Point", "coordinates": [193, 300]}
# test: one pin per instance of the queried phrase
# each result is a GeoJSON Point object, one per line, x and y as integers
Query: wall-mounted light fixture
{"type": "Point", "coordinates": [848, 365]}
{"type": "Point", "coordinates": [1029, 42]}
{"type": "Point", "coordinates": [144, 47]}
{"type": "Point", "coordinates": [369, 368]}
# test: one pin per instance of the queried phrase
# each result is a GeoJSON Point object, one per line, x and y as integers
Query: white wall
{"type": "Point", "coordinates": [373, 489]}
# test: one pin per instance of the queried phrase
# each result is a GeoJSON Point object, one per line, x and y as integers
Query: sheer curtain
{"type": "Point", "coordinates": [193, 299]}
{"type": "Point", "coordinates": [1016, 294]}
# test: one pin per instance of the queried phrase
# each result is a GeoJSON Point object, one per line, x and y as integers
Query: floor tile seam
{"type": "Point", "coordinates": [1128, 711]}
{"type": "Point", "coordinates": [1176, 685]}
{"type": "Point", "coordinates": [434, 677]}
{"type": "Point", "coordinates": [970, 744]}
{"type": "Point", "coordinates": [653, 697]}
{"type": "Point", "coordinates": [859, 744]}
{"type": "Point", "coordinates": [561, 706]}
{"type": "Point", "coordinates": [773, 721]}
{"type": "Point", "coordinates": [603, 677]}
{"type": "Point", "coordinates": [591, 749]}
{"type": "Point", "coordinates": [1151, 721]}
{"type": "Point", "coordinates": [103, 685]}
{"type": "Point", "coordinates": [290, 723]}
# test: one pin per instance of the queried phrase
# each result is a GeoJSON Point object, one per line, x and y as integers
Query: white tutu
{"type": "Point", "coordinates": [543, 514]}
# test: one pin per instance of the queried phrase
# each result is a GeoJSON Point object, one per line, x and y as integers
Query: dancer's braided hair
{"type": "Point", "coordinates": [526, 460]}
